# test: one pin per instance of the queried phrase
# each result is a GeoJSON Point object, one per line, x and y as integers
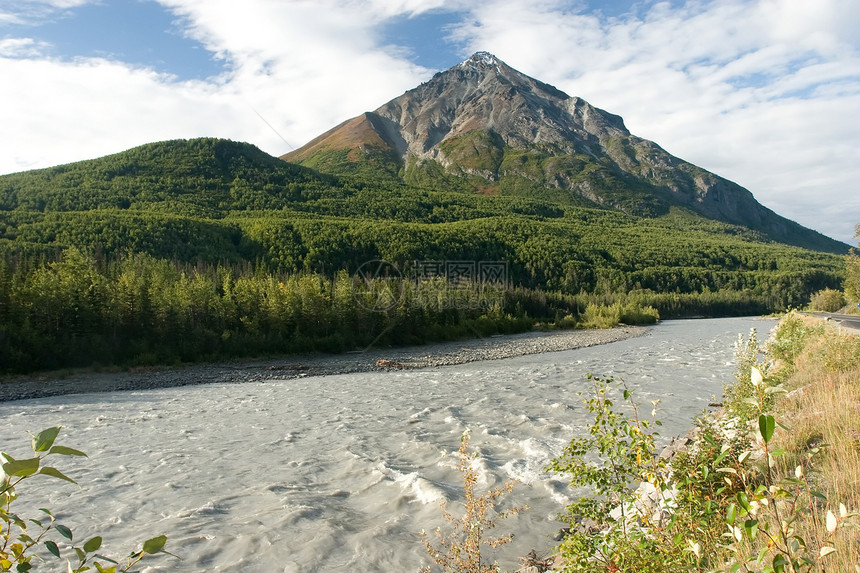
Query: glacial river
{"type": "Point", "coordinates": [341, 473]}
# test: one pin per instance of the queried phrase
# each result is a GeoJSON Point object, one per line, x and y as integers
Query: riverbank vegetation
{"type": "Point", "coordinates": [139, 310]}
{"type": "Point", "coordinates": [82, 309]}
{"type": "Point", "coordinates": [769, 484]}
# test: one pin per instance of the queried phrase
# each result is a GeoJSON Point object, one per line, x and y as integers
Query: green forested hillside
{"type": "Point", "coordinates": [211, 209]}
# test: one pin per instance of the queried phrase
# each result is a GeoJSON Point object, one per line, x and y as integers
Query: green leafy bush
{"type": "Point", "coordinates": [827, 300]}
{"type": "Point", "coordinates": [765, 519]}
{"type": "Point", "coordinates": [610, 527]}
{"type": "Point", "coordinates": [601, 316]}
{"type": "Point", "coordinates": [790, 337]}
{"type": "Point", "coordinates": [739, 396]}
{"type": "Point", "coordinates": [632, 313]}
{"type": "Point", "coordinates": [609, 315]}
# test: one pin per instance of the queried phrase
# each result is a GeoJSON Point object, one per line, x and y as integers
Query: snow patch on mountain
{"type": "Point", "coordinates": [481, 59]}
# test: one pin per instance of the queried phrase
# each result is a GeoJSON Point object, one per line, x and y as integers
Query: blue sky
{"type": "Point", "coordinates": [138, 33]}
{"type": "Point", "coordinates": [764, 92]}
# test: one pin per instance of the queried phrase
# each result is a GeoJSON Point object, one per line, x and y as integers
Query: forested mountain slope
{"type": "Point", "coordinates": [216, 201]}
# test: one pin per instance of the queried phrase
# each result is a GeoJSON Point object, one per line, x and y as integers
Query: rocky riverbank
{"type": "Point", "coordinates": [429, 356]}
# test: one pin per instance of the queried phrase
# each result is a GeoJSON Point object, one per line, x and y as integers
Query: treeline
{"type": "Point", "coordinates": [142, 310]}
{"type": "Point", "coordinates": [139, 310]}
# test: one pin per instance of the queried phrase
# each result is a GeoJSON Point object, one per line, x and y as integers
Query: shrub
{"type": "Point", "coordinates": [633, 313]}
{"type": "Point", "coordinates": [611, 528]}
{"type": "Point", "coordinates": [779, 518]}
{"type": "Point", "coordinates": [609, 315]}
{"type": "Point", "coordinates": [601, 316]}
{"type": "Point", "coordinates": [827, 300]}
{"type": "Point", "coordinates": [459, 551]}
{"type": "Point", "coordinates": [739, 395]}
{"type": "Point", "coordinates": [791, 336]}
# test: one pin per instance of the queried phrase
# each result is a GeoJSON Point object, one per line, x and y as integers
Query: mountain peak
{"type": "Point", "coordinates": [481, 95]}
{"type": "Point", "coordinates": [485, 59]}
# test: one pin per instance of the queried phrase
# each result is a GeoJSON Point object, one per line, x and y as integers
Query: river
{"type": "Point", "coordinates": [341, 473]}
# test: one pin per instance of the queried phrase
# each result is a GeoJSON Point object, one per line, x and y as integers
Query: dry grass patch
{"type": "Point", "coordinates": [823, 411]}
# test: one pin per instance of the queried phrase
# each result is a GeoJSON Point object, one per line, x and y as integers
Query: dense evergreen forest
{"type": "Point", "coordinates": [189, 250]}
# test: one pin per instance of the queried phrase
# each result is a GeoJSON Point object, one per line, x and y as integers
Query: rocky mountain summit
{"type": "Point", "coordinates": [487, 125]}
{"type": "Point", "coordinates": [485, 94]}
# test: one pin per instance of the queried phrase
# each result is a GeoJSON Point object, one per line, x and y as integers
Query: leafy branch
{"type": "Point", "coordinates": [19, 540]}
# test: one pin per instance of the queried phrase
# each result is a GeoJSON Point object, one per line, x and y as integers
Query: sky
{"type": "Point", "coordinates": [763, 92]}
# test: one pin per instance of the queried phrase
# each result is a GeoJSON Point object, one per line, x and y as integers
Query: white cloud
{"type": "Point", "coordinates": [61, 4]}
{"type": "Point", "coordinates": [35, 11]}
{"type": "Point", "coordinates": [304, 65]}
{"type": "Point", "coordinates": [9, 18]}
{"type": "Point", "coordinates": [22, 48]}
{"type": "Point", "coordinates": [65, 111]}
{"type": "Point", "coordinates": [391, 8]}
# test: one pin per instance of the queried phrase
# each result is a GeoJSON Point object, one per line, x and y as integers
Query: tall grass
{"type": "Point", "coordinates": [822, 408]}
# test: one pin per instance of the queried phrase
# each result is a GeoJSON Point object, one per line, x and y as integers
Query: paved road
{"type": "Point", "coordinates": [851, 321]}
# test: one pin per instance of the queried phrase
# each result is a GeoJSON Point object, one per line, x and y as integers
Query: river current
{"type": "Point", "coordinates": [341, 473]}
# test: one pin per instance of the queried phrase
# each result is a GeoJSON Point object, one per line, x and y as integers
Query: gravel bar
{"type": "Point", "coordinates": [428, 356]}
